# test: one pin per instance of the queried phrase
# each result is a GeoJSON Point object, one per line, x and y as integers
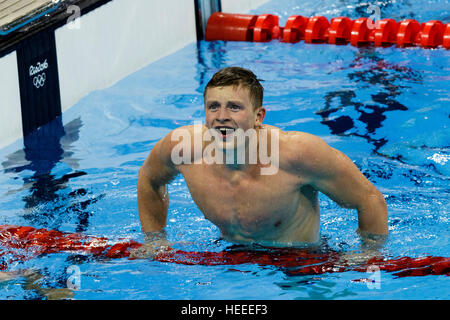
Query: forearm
{"type": "Point", "coordinates": [373, 215]}
{"type": "Point", "coordinates": [153, 203]}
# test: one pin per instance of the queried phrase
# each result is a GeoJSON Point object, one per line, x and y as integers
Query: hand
{"type": "Point", "coordinates": [371, 241]}
{"type": "Point", "coordinates": [357, 258]}
{"type": "Point", "coordinates": [155, 242]}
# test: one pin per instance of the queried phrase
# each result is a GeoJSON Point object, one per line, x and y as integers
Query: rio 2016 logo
{"type": "Point", "coordinates": [38, 72]}
{"type": "Point", "coordinates": [39, 80]}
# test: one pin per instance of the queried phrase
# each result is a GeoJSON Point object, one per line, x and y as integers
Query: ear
{"type": "Point", "coordinates": [260, 115]}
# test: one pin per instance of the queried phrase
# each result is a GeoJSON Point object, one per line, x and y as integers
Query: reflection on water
{"type": "Point", "coordinates": [211, 57]}
{"type": "Point", "coordinates": [371, 71]}
{"type": "Point", "coordinates": [49, 201]}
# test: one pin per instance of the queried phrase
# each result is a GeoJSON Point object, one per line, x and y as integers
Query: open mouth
{"type": "Point", "coordinates": [224, 131]}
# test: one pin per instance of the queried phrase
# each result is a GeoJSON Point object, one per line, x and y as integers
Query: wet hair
{"type": "Point", "coordinates": [236, 76]}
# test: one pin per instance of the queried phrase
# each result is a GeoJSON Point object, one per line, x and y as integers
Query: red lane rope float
{"type": "Point", "coordinates": [294, 31]}
{"type": "Point", "coordinates": [29, 242]}
{"type": "Point", "coordinates": [339, 30]}
{"type": "Point", "coordinates": [432, 34]}
{"type": "Point", "coordinates": [446, 38]}
{"type": "Point", "coordinates": [236, 27]}
{"type": "Point", "coordinates": [23, 243]}
{"type": "Point", "coordinates": [316, 30]}
{"type": "Point", "coordinates": [408, 33]}
{"type": "Point", "coordinates": [386, 33]}
{"type": "Point", "coordinates": [266, 27]}
{"type": "Point", "coordinates": [300, 261]}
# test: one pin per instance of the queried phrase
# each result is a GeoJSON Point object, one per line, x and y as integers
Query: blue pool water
{"type": "Point", "coordinates": [386, 108]}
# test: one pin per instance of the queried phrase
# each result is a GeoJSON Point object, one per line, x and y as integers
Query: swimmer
{"type": "Point", "coordinates": [275, 207]}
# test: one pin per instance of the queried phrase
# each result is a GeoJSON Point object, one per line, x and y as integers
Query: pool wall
{"type": "Point", "coordinates": [47, 67]}
{"type": "Point", "coordinates": [11, 119]}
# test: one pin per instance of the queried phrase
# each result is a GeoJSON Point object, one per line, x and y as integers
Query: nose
{"type": "Point", "coordinates": [222, 115]}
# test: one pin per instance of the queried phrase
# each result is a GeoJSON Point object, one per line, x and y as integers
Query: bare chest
{"type": "Point", "coordinates": [245, 206]}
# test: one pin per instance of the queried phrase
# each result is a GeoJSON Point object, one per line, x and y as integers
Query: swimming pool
{"type": "Point", "coordinates": [386, 108]}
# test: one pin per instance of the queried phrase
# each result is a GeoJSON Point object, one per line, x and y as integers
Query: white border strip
{"type": "Point", "coordinates": [11, 119]}
{"type": "Point", "coordinates": [118, 39]}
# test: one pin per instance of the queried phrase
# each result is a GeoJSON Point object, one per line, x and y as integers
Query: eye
{"type": "Point", "coordinates": [235, 107]}
{"type": "Point", "coordinates": [213, 106]}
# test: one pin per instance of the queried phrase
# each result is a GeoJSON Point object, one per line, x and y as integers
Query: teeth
{"type": "Point", "coordinates": [226, 131]}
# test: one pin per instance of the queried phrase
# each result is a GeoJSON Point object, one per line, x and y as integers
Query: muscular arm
{"type": "Point", "coordinates": [153, 198]}
{"type": "Point", "coordinates": [334, 174]}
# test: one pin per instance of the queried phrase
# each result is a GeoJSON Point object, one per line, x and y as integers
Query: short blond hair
{"type": "Point", "coordinates": [236, 76]}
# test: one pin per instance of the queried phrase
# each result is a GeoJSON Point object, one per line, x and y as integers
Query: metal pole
{"type": "Point", "coordinates": [203, 10]}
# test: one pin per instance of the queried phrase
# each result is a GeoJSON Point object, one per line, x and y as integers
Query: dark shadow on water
{"type": "Point", "coordinates": [370, 71]}
{"type": "Point", "coordinates": [50, 200]}
{"type": "Point", "coordinates": [216, 52]}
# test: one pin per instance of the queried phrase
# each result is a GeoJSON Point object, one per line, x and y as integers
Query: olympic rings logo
{"type": "Point", "coordinates": [39, 80]}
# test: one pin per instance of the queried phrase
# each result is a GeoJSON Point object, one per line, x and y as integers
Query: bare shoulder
{"type": "Point", "coordinates": [295, 143]}
{"type": "Point", "coordinates": [306, 152]}
{"type": "Point", "coordinates": [302, 144]}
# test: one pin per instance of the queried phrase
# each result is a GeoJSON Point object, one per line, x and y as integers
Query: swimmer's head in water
{"type": "Point", "coordinates": [236, 76]}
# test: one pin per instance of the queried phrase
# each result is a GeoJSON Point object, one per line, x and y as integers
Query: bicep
{"type": "Point", "coordinates": [158, 168]}
{"type": "Point", "coordinates": [334, 174]}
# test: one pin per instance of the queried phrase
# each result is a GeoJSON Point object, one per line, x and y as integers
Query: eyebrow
{"type": "Point", "coordinates": [236, 102]}
{"type": "Point", "coordinates": [208, 103]}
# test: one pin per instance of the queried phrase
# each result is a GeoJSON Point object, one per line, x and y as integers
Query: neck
{"type": "Point", "coordinates": [243, 158]}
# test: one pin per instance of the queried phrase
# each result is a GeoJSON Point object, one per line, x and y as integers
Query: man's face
{"type": "Point", "coordinates": [230, 108]}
